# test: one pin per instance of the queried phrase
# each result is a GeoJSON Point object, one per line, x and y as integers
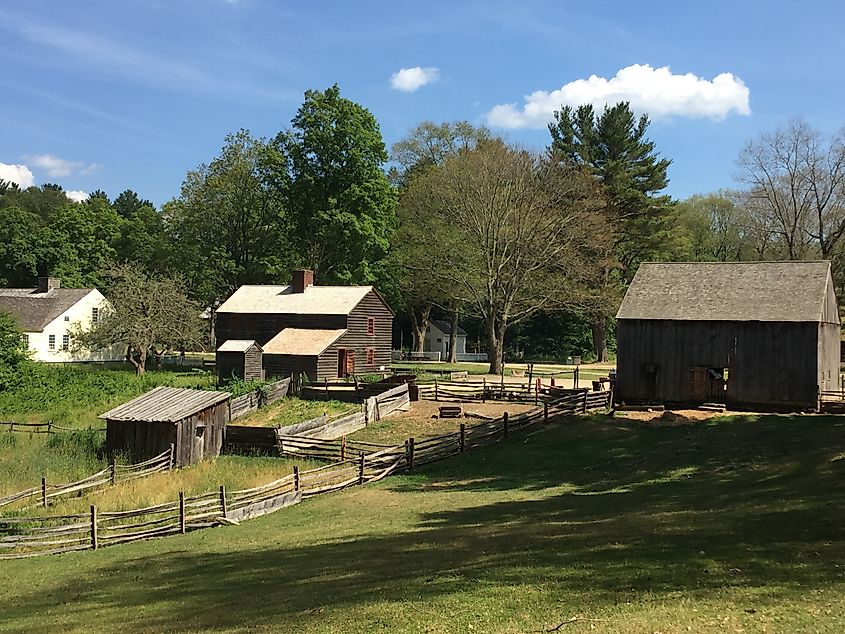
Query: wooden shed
{"type": "Point", "coordinates": [762, 335]}
{"type": "Point", "coordinates": [241, 359]}
{"type": "Point", "coordinates": [193, 421]}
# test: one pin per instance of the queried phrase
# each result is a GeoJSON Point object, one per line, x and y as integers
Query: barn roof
{"type": "Point", "coordinates": [728, 291]}
{"type": "Point", "coordinates": [166, 405]}
{"type": "Point", "coordinates": [315, 300]}
{"type": "Point", "coordinates": [302, 341]}
{"type": "Point", "coordinates": [237, 345]}
{"type": "Point", "coordinates": [34, 310]}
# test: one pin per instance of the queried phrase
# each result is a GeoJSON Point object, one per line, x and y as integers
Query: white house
{"type": "Point", "coordinates": [437, 339]}
{"type": "Point", "coordinates": [46, 314]}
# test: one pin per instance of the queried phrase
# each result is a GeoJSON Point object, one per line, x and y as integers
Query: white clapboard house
{"type": "Point", "coordinates": [46, 314]}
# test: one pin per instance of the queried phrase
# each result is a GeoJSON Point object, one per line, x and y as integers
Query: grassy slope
{"type": "Point", "coordinates": [291, 410]}
{"type": "Point", "coordinates": [735, 526]}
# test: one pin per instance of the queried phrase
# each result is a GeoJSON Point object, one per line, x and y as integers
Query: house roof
{"type": "Point", "coordinates": [446, 328]}
{"type": "Point", "coordinates": [315, 300]}
{"type": "Point", "coordinates": [728, 291]}
{"type": "Point", "coordinates": [237, 345]}
{"type": "Point", "coordinates": [302, 341]}
{"type": "Point", "coordinates": [165, 405]}
{"type": "Point", "coordinates": [34, 310]}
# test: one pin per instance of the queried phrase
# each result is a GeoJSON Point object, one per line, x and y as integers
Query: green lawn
{"type": "Point", "coordinates": [291, 410]}
{"type": "Point", "coordinates": [731, 526]}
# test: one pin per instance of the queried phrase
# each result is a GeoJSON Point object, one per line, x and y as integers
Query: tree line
{"type": "Point", "coordinates": [453, 222]}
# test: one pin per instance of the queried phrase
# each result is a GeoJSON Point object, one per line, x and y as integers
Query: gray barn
{"type": "Point", "coordinates": [191, 420]}
{"type": "Point", "coordinates": [239, 358]}
{"type": "Point", "coordinates": [747, 334]}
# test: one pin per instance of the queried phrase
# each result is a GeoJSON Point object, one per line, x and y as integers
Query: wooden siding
{"type": "Point", "coordinates": [769, 363]}
{"type": "Point", "coordinates": [284, 365]}
{"type": "Point", "coordinates": [263, 327]}
{"type": "Point", "coordinates": [141, 441]}
{"type": "Point", "coordinates": [253, 364]}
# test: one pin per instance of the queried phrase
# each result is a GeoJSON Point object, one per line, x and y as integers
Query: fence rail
{"type": "Point", "coordinates": [354, 463]}
{"type": "Point", "coordinates": [248, 403]}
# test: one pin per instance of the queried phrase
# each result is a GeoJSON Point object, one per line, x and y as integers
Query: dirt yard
{"type": "Point", "coordinates": [422, 420]}
{"type": "Point", "coordinates": [670, 418]}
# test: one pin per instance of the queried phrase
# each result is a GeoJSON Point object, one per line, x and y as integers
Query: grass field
{"type": "Point", "coordinates": [291, 410]}
{"type": "Point", "coordinates": [423, 370]}
{"type": "Point", "coordinates": [735, 525]}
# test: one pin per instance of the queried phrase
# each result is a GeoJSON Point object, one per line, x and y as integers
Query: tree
{"type": "Point", "coordinates": [150, 315]}
{"type": "Point", "coordinates": [613, 148]}
{"type": "Point", "coordinates": [714, 227]}
{"type": "Point", "coordinates": [518, 229]}
{"type": "Point", "coordinates": [341, 207]}
{"type": "Point", "coordinates": [13, 350]}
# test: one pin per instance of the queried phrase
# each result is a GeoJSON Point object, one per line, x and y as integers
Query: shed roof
{"type": "Point", "coordinates": [728, 291]}
{"type": "Point", "coordinates": [34, 310]}
{"type": "Point", "coordinates": [237, 345]}
{"type": "Point", "coordinates": [166, 405]}
{"type": "Point", "coordinates": [315, 300]}
{"type": "Point", "coordinates": [446, 328]}
{"type": "Point", "coordinates": [302, 341]}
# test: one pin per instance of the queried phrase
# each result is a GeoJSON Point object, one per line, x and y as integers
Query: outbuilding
{"type": "Point", "coordinates": [762, 335]}
{"type": "Point", "coordinates": [239, 359]}
{"type": "Point", "coordinates": [193, 421]}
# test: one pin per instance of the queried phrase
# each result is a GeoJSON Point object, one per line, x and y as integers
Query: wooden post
{"type": "Point", "coordinates": [545, 412]}
{"type": "Point", "coordinates": [463, 437]}
{"type": "Point", "coordinates": [505, 423]}
{"type": "Point", "coordinates": [530, 372]}
{"type": "Point", "coordinates": [113, 470]}
{"type": "Point", "coordinates": [44, 492]}
{"type": "Point", "coordinates": [537, 392]}
{"type": "Point", "coordinates": [357, 391]}
{"type": "Point", "coordinates": [170, 464]}
{"type": "Point", "coordinates": [223, 499]}
{"type": "Point", "coordinates": [93, 527]}
{"type": "Point", "coordinates": [410, 454]}
{"type": "Point", "coordinates": [484, 389]}
{"type": "Point", "coordinates": [326, 379]}
{"type": "Point", "coordinates": [49, 427]}
{"type": "Point", "coordinates": [584, 407]}
{"type": "Point", "coordinates": [295, 478]}
{"type": "Point", "coordinates": [182, 512]}
{"type": "Point", "coordinates": [361, 468]}
{"type": "Point", "coordinates": [343, 447]}
{"type": "Point", "coordinates": [435, 390]}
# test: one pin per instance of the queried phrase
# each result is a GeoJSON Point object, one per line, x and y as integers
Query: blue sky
{"type": "Point", "coordinates": [132, 94]}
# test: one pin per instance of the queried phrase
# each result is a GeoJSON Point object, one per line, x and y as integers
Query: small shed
{"type": "Point", "coordinates": [239, 358]}
{"type": "Point", "coordinates": [193, 421]}
{"type": "Point", "coordinates": [310, 351]}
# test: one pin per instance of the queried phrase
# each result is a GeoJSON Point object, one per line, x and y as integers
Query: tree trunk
{"type": "Point", "coordinates": [453, 337]}
{"type": "Point", "coordinates": [599, 328]}
{"type": "Point", "coordinates": [420, 326]}
{"type": "Point", "coordinates": [495, 345]}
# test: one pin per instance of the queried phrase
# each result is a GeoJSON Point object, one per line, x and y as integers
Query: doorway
{"type": "Point", "coordinates": [345, 363]}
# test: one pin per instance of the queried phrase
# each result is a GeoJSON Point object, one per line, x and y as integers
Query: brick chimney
{"type": "Point", "coordinates": [302, 279]}
{"type": "Point", "coordinates": [47, 284]}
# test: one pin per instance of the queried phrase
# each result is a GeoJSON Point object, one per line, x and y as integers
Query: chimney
{"type": "Point", "coordinates": [302, 279]}
{"type": "Point", "coordinates": [47, 284]}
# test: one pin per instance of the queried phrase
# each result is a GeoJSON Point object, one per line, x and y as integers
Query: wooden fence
{"type": "Point", "coordinates": [35, 428]}
{"type": "Point", "coordinates": [32, 536]}
{"type": "Point", "coordinates": [114, 473]}
{"type": "Point", "coordinates": [243, 405]}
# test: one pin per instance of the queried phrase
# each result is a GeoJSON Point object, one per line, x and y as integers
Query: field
{"type": "Point", "coordinates": [291, 410]}
{"type": "Point", "coordinates": [592, 525]}
{"type": "Point", "coordinates": [430, 370]}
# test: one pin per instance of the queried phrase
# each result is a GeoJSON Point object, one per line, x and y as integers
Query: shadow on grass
{"type": "Point", "coordinates": [607, 512]}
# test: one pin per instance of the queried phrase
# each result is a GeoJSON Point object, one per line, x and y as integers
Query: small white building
{"type": "Point", "coordinates": [437, 339]}
{"type": "Point", "coordinates": [46, 314]}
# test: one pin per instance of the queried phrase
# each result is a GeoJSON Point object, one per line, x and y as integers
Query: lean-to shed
{"type": "Point", "coordinates": [747, 334]}
{"type": "Point", "coordinates": [239, 358]}
{"type": "Point", "coordinates": [191, 420]}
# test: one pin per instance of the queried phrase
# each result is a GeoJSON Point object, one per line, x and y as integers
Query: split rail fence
{"type": "Point", "coordinates": [247, 403]}
{"type": "Point", "coordinates": [354, 463]}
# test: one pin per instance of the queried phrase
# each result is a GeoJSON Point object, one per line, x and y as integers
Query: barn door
{"type": "Point", "coordinates": [699, 385]}
{"type": "Point", "coordinates": [350, 362]}
{"type": "Point", "coordinates": [345, 363]}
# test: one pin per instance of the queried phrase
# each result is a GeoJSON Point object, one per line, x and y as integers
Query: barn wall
{"type": "Point", "coordinates": [229, 365]}
{"type": "Point", "coordinates": [201, 435]}
{"type": "Point", "coordinates": [253, 364]}
{"type": "Point", "coordinates": [263, 327]}
{"type": "Point", "coordinates": [140, 440]}
{"type": "Point", "coordinates": [770, 363]}
{"type": "Point", "coordinates": [829, 356]}
{"type": "Point", "coordinates": [284, 365]}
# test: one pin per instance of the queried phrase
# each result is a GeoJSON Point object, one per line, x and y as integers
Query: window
{"type": "Point", "coordinates": [67, 317]}
{"type": "Point", "coordinates": [51, 342]}
{"type": "Point", "coordinates": [371, 325]}
{"type": "Point", "coordinates": [26, 341]}
{"type": "Point", "coordinates": [95, 315]}
{"type": "Point", "coordinates": [65, 341]}
{"type": "Point", "coordinates": [371, 356]}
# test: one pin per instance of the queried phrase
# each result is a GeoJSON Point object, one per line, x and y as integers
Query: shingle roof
{"type": "Point", "coordinates": [237, 345]}
{"type": "Point", "coordinates": [316, 300]}
{"type": "Point", "coordinates": [728, 291]}
{"type": "Point", "coordinates": [446, 328]}
{"type": "Point", "coordinates": [302, 341]}
{"type": "Point", "coordinates": [165, 405]}
{"type": "Point", "coordinates": [33, 310]}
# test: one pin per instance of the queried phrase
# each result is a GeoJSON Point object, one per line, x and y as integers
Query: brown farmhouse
{"type": "Point", "coordinates": [747, 334]}
{"type": "Point", "coordinates": [324, 332]}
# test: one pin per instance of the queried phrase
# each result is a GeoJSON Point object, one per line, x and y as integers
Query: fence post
{"type": "Point", "coordinates": [295, 478]}
{"type": "Point", "coordinates": [44, 492]}
{"type": "Point", "coordinates": [545, 412]}
{"type": "Point", "coordinates": [463, 437]}
{"type": "Point", "coordinates": [172, 456]}
{"type": "Point", "coordinates": [361, 469]}
{"type": "Point", "coordinates": [530, 373]}
{"type": "Point", "coordinates": [410, 454]}
{"type": "Point", "coordinates": [584, 408]}
{"type": "Point", "coordinates": [435, 390]}
{"type": "Point", "coordinates": [484, 389]}
{"type": "Point", "coordinates": [223, 499]}
{"type": "Point", "coordinates": [343, 447]}
{"type": "Point", "coordinates": [326, 379]}
{"type": "Point", "coordinates": [182, 512]}
{"type": "Point", "coordinates": [49, 427]}
{"type": "Point", "coordinates": [505, 422]}
{"type": "Point", "coordinates": [94, 527]}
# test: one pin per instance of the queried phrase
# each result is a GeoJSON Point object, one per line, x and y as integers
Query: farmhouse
{"type": "Point", "coordinates": [437, 339]}
{"type": "Point", "coordinates": [324, 332]}
{"type": "Point", "coordinates": [193, 421]}
{"type": "Point", "coordinates": [46, 314]}
{"type": "Point", "coordinates": [746, 334]}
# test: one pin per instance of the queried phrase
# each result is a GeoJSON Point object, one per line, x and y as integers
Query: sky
{"type": "Point", "coordinates": [133, 94]}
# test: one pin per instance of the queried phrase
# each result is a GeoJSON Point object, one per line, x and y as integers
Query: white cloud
{"type": "Point", "coordinates": [77, 195]}
{"type": "Point", "coordinates": [59, 167]}
{"type": "Point", "coordinates": [19, 174]}
{"type": "Point", "coordinates": [411, 79]}
{"type": "Point", "coordinates": [654, 91]}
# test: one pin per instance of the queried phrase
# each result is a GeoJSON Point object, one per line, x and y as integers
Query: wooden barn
{"type": "Point", "coordinates": [191, 420]}
{"type": "Point", "coordinates": [746, 334]}
{"type": "Point", "coordinates": [325, 332]}
{"type": "Point", "coordinates": [239, 359]}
